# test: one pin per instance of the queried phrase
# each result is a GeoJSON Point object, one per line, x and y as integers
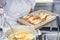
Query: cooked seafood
{"type": "Point", "coordinates": [36, 19]}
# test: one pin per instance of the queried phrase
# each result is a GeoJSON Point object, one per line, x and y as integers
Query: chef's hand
{"type": "Point", "coordinates": [31, 10]}
{"type": "Point", "coordinates": [1, 11]}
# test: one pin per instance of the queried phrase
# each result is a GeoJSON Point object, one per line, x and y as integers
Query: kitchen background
{"type": "Point", "coordinates": [52, 29]}
{"type": "Point", "coordinates": [50, 5]}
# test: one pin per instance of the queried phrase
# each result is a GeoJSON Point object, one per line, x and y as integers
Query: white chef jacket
{"type": "Point", "coordinates": [17, 8]}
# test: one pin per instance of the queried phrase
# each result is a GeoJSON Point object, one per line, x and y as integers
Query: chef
{"type": "Point", "coordinates": [16, 8]}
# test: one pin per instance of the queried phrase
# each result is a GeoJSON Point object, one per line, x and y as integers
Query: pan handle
{"type": "Point", "coordinates": [58, 21]}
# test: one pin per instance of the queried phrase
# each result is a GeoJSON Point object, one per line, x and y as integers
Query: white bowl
{"type": "Point", "coordinates": [21, 28]}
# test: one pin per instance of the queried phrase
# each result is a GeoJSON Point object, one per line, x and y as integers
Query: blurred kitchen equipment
{"type": "Point", "coordinates": [50, 36]}
{"type": "Point", "coordinates": [58, 23]}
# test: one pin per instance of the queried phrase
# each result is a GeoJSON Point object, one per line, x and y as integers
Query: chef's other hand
{"type": "Point", "coordinates": [31, 10]}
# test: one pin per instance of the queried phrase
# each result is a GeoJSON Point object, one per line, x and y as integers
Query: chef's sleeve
{"type": "Point", "coordinates": [32, 3]}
